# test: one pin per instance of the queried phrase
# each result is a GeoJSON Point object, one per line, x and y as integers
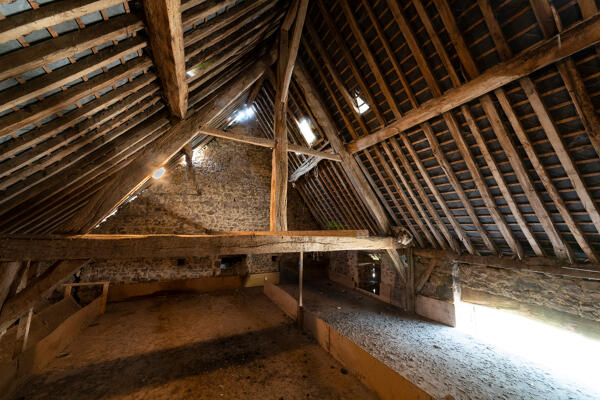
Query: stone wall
{"type": "Point", "coordinates": [577, 297]}
{"type": "Point", "coordinates": [227, 189]}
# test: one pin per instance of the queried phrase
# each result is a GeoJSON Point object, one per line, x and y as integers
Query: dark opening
{"type": "Point", "coordinates": [369, 271]}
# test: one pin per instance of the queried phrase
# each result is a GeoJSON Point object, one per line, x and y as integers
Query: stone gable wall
{"type": "Point", "coordinates": [228, 189]}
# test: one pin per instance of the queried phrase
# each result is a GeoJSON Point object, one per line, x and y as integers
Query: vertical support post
{"type": "Point", "coordinates": [68, 290]}
{"type": "Point", "coordinates": [104, 297]}
{"type": "Point", "coordinates": [22, 333]}
{"type": "Point", "coordinates": [300, 314]}
{"type": "Point", "coordinates": [410, 281]}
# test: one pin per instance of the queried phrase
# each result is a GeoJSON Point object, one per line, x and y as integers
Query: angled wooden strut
{"type": "Point", "coordinates": [163, 19]}
{"type": "Point", "coordinates": [348, 162]}
{"type": "Point", "coordinates": [125, 182]}
{"type": "Point", "coordinates": [572, 40]}
{"type": "Point", "coordinates": [288, 50]}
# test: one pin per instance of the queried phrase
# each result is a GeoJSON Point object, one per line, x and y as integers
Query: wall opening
{"type": "Point", "coordinates": [369, 271]}
{"type": "Point", "coordinates": [569, 355]}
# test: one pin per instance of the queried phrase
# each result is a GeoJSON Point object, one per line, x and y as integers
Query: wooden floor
{"type": "Point", "coordinates": [229, 345]}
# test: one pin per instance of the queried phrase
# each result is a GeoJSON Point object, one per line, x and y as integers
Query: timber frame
{"type": "Point", "coordinates": [481, 137]}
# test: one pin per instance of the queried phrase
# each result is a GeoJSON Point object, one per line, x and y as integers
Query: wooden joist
{"type": "Point", "coordinates": [36, 55]}
{"type": "Point", "coordinates": [57, 102]}
{"type": "Point", "coordinates": [572, 40]}
{"type": "Point", "coordinates": [128, 180]}
{"type": "Point", "coordinates": [269, 143]}
{"type": "Point", "coordinates": [288, 50]}
{"type": "Point", "coordinates": [543, 265]}
{"type": "Point", "coordinates": [49, 15]}
{"type": "Point", "coordinates": [140, 246]}
{"type": "Point", "coordinates": [163, 22]}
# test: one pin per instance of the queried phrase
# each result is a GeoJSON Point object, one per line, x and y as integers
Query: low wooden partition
{"type": "Point", "coordinates": [34, 358]}
{"type": "Point", "coordinates": [207, 284]}
{"type": "Point", "coordinates": [387, 383]}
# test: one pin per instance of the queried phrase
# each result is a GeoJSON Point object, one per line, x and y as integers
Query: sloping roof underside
{"type": "Point", "coordinates": [62, 138]}
{"type": "Point", "coordinates": [71, 119]}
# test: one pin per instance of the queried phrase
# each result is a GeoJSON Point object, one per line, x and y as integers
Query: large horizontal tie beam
{"type": "Point", "coordinates": [270, 143]}
{"type": "Point", "coordinates": [570, 41]}
{"type": "Point", "coordinates": [139, 246]}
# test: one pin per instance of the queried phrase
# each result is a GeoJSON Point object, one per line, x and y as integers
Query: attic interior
{"type": "Point", "coordinates": [241, 199]}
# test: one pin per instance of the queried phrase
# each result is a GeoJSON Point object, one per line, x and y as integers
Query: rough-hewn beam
{"type": "Point", "coordinates": [572, 40]}
{"type": "Point", "coordinates": [158, 153]}
{"type": "Point", "coordinates": [349, 164]}
{"type": "Point", "coordinates": [136, 246]}
{"type": "Point", "coordinates": [163, 20]}
{"type": "Point", "coordinates": [264, 142]}
{"type": "Point", "coordinates": [36, 290]}
{"type": "Point", "coordinates": [288, 50]}
{"type": "Point", "coordinates": [57, 102]}
{"type": "Point", "coordinates": [49, 15]}
{"type": "Point", "coordinates": [532, 264]}
{"type": "Point", "coordinates": [31, 57]}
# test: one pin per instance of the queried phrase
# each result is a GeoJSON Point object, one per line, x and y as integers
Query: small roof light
{"type": "Point", "coordinates": [159, 173]}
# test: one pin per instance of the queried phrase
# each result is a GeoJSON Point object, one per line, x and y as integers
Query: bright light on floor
{"type": "Point", "coordinates": [567, 354]}
{"type": "Point", "coordinates": [158, 173]}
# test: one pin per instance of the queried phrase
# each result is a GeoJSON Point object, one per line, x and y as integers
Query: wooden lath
{"type": "Point", "coordinates": [426, 55]}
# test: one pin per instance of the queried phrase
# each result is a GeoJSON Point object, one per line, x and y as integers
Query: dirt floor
{"type": "Point", "coordinates": [227, 345]}
{"type": "Point", "coordinates": [439, 359]}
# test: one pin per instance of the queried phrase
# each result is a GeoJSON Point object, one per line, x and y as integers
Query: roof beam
{"type": "Point", "coordinates": [165, 31]}
{"type": "Point", "coordinates": [31, 57]}
{"type": "Point", "coordinates": [128, 180]}
{"type": "Point", "coordinates": [49, 15]}
{"type": "Point", "coordinates": [57, 102]}
{"type": "Point", "coordinates": [288, 50]}
{"type": "Point", "coordinates": [572, 40]}
{"type": "Point", "coordinates": [349, 164]}
{"type": "Point", "coordinates": [136, 246]}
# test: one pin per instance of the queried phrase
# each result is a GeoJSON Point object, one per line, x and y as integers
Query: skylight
{"type": "Point", "coordinates": [242, 115]}
{"type": "Point", "coordinates": [361, 106]}
{"type": "Point", "coordinates": [307, 131]}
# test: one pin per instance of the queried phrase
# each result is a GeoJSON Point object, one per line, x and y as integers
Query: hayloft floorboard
{"type": "Point", "coordinates": [226, 345]}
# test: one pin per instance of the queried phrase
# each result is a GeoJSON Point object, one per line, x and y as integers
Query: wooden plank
{"type": "Point", "coordinates": [349, 164]}
{"type": "Point", "coordinates": [36, 290]}
{"type": "Point", "coordinates": [425, 199]}
{"type": "Point", "coordinates": [572, 40]}
{"type": "Point", "coordinates": [165, 31]}
{"type": "Point", "coordinates": [438, 153]}
{"type": "Point", "coordinates": [501, 182]}
{"type": "Point", "coordinates": [139, 246]}
{"type": "Point", "coordinates": [472, 71]}
{"type": "Point", "coordinates": [36, 55]}
{"type": "Point", "coordinates": [57, 102]}
{"type": "Point", "coordinates": [49, 15]}
{"type": "Point", "coordinates": [128, 180]}
{"type": "Point", "coordinates": [462, 235]}
{"type": "Point", "coordinates": [102, 122]}
{"type": "Point", "coordinates": [288, 51]}
{"type": "Point", "coordinates": [142, 86]}
{"type": "Point", "coordinates": [542, 265]}
{"type": "Point", "coordinates": [22, 333]}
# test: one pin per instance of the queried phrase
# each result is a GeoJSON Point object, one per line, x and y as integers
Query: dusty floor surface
{"type": "Point", "coordinates": [228, 345]}
{"type": "Point", "coordinates": [439, 359]}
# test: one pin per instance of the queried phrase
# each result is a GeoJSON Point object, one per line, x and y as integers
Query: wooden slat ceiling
{"type": "Point", "coordinates": [514, 172]}
{"type": "Point", "coordinates": [80, 98]}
